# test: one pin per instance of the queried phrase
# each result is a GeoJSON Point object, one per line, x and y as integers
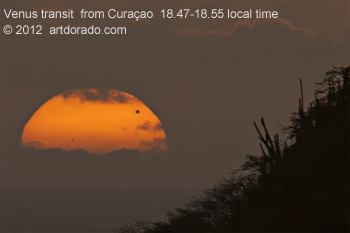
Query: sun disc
{"type": "Point", "coordinates": [98, 121]}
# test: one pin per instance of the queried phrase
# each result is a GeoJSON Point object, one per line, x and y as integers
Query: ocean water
{"type": "Point", "coordinates": [85, 210]}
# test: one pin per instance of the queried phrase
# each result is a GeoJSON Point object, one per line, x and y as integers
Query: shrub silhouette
{"type": "Point", "coordinates": [302, 187]}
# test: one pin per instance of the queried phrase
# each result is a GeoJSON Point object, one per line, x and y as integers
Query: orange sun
{"type": "Point", "coordinates": [98, 121]}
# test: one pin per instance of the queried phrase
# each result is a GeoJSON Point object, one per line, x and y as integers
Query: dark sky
{"type": "Point", "coordinates": [207, 80]}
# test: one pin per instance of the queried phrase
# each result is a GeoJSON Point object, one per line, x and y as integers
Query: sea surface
{"type": "Point", "coordinates": [85, 210]}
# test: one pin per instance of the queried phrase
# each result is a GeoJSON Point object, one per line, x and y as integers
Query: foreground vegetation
{"type": "Point", "coordinates": [301, 187]}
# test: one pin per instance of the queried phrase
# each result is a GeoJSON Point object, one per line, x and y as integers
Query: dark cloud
{"type": "Point", "coordinates": [38, 149]}
{"type": "Point", "coordinates": [124, 154]}
{"type": "Point", "coordinates": [158, 127]}
{"type": "Point", "coordinates": [101, 95]}
{"type": "Point", "coordinates": [145, 126]}
{"type": "Point", "coordinates": [148, 126]}
{"type": "Point", "coordinates": [157, 145]}
{"type": "Point", "coordinates": [36, 145]}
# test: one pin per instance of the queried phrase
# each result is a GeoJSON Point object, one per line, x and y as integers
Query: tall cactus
{"type": "Point", "coordinates": [273, 148]}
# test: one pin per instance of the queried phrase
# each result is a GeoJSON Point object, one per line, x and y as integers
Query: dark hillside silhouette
{"type": "Point", "coordinates": [300, 187]}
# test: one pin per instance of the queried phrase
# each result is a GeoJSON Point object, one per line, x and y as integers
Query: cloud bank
{"type": "Point", "coordinates": [101, 95]}
{"type": "Point", "coordinates": [245, 23]}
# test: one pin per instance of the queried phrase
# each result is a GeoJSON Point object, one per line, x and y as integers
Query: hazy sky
{"type": "Point", "coordinates": [207, 80]}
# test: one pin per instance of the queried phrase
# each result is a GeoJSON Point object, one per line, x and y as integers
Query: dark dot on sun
{"type": "Point", "coordinates": [137, 111]}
